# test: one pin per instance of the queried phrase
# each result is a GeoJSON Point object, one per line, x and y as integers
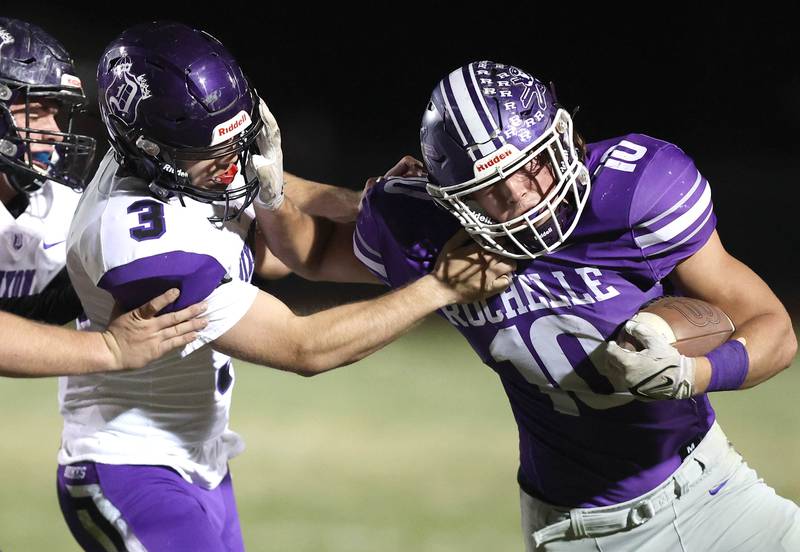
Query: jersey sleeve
{"type": "Point", "coordinates": [671, 213]}
{"type": "Point", "coordinates": [367, 236]}
{"type": "Point", "coordinates": [192, 260]}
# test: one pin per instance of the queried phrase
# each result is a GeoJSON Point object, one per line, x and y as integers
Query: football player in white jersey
{"type": "Point", "coordinates": [43, 164]}
{"type": "Point", "coordinates": [40, 168]}
{"type": "Point", "coordinates": [144, 456]}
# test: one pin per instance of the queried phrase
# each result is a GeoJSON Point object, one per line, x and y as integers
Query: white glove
{"type": "Point", "coordinates": [657, 372]}
{"type": "Point", "coordinates": [268, 166]}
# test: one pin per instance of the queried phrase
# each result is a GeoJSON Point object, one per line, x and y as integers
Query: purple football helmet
{"type": "Point", "coordinates": [170, 94]}
{"type": "Point", "coordinates": [485, 121]}
{"type": "Point", "coordinates": [35, 67]}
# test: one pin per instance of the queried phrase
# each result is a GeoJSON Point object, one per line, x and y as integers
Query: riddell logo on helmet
{"type": "Point", "coordinates": [497, 159]}
{"type": "Point", "coordinates": [230, 128]}
{"type": "Point", "coordinates": [70, 80]}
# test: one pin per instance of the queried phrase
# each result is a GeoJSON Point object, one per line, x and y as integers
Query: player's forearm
{"type": "Point", "coordinates": [313, 247]}
{"type": "Point", "coordinates": [32, 350]}
{"type": "Point", "coordinates": [295, 237]}
{"type": "Point", "coordinates": [771, 345]}
{"type": "Point", "coordinates": [343, 335]}
{"type": "Point", "coordinates": [315, 198]}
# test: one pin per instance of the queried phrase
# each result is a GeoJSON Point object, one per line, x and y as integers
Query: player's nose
{"type": "Point", "coordinates": [226, 161]}
{"type": "Point", "coordinates": [515, 189]}
{"type": "Point", "coordinates": [49, 123]}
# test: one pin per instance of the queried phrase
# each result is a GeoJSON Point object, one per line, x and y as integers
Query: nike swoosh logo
{"type": "Point", "coordinates": [49, 245]}
{"type": "Point", "coordinates": [666, 385]}
{"type": "Point", "coordinates": [716, 489]}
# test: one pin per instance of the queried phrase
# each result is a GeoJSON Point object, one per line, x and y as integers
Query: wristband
{"type": "Point", "coordinates": [729, 366]}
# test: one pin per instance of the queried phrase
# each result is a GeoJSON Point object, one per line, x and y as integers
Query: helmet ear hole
{"type": "Point", "coordinates": [150, 148]}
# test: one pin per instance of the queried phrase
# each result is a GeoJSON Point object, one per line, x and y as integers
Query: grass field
{"type": "Point", "coordinates": [412, 449]}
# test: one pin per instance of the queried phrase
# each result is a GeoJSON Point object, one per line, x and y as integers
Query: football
{"type": "Point", "coordinates": [693, 326]}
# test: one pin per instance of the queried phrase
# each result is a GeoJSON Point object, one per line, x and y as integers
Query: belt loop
{"type": "Point", "coordinates": [577, 524]}
{"type": "Point", "coordinates": [682, 483]}
{"type": "Point", "coordinates": [641, 513]}
{"type": "Point", "coordinates": [550, 533]}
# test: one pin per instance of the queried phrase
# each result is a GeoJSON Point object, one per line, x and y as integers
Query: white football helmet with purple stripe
{"type": "Point", "coordinates": [486, 120]}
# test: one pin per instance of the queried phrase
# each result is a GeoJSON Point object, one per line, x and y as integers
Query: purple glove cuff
{"type": "Point", "coordinates": [729, 366]}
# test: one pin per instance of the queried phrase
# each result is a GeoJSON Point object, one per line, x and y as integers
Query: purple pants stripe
{"type": "Point", "coordinates": [146, 508]}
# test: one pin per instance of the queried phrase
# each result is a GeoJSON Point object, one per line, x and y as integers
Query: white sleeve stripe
{"type": "Point", "coordinates": [410, 181]}
{"type": "Point", "coordinates": [679, 225]}
{"type": "Point", "coordinates": [365, 245]}
{"type": "Point", "coordinates": [672, 209]}
{"type": "Point", "coordinates": [375, 267]}
{"type": "Point", "coordinates": [684, 240]}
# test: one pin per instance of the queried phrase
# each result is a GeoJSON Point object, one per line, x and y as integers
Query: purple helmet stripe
{"type": "Point", "coordinates": [470, 112]}
{"type": "Point", "coordinates": [492, 126]}
{"type": "Point", "coordinates": [455, 115]}
{"type": "Point", "coordinates": [479, 102]}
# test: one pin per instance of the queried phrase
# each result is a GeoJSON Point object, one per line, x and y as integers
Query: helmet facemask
{"type": "Point", "coordinates": [544, 227]}
{"type": "Point", "coordinates": [171, 178]}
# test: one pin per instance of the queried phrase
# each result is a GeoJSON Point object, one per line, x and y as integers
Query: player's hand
{"type": "Point", "coordinates": [657, 372]}
{"type": "Point", "coordinates": [469, 273]}
{"type": "Point", "coordinates": [138, 337]}
{"type": "Point", "coordinates": [407, 166]}
{"type": "Point", "coordinates": [268, 163]}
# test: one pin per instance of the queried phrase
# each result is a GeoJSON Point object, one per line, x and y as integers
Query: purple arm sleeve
{"type": "Point", "coordinates": [135, 283]}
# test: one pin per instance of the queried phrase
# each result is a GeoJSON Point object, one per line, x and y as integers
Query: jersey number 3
{"type": "Point", "coordinates": [151, 220]}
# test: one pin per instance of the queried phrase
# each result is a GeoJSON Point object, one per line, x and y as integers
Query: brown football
{"type": "Point", "coordinates": [693, 326]}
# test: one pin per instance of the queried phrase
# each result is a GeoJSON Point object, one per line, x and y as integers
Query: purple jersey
{"type": "Point", "coordinates": [582, 443]}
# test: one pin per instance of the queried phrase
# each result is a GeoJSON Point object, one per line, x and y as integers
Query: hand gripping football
{"type": "Point", "coordinates": [693, 326]}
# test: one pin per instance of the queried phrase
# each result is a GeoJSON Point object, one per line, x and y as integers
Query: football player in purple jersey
{"type": "Point", "coordinates": [619, 450]}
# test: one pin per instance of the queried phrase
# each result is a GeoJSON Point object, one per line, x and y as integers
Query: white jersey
{"type": "Point", "coordinates": [124, 245]}
{"type": "Point", "coordinates": [33, 246]}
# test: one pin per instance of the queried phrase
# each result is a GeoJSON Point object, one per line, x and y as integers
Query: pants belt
{"type": "Point", "coordinates": [595, 522]}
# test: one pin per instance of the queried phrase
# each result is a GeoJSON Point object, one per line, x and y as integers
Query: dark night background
{"type": "Point", "coordinates": [348, 86]}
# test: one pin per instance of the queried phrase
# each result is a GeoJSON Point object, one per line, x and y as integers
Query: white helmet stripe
{"type": "Point", "coordinates": [454, 117]}
{"type": "Point", "coordinates": [469, 112]}
{"type": "Point", "coordinates": [493, 126]}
